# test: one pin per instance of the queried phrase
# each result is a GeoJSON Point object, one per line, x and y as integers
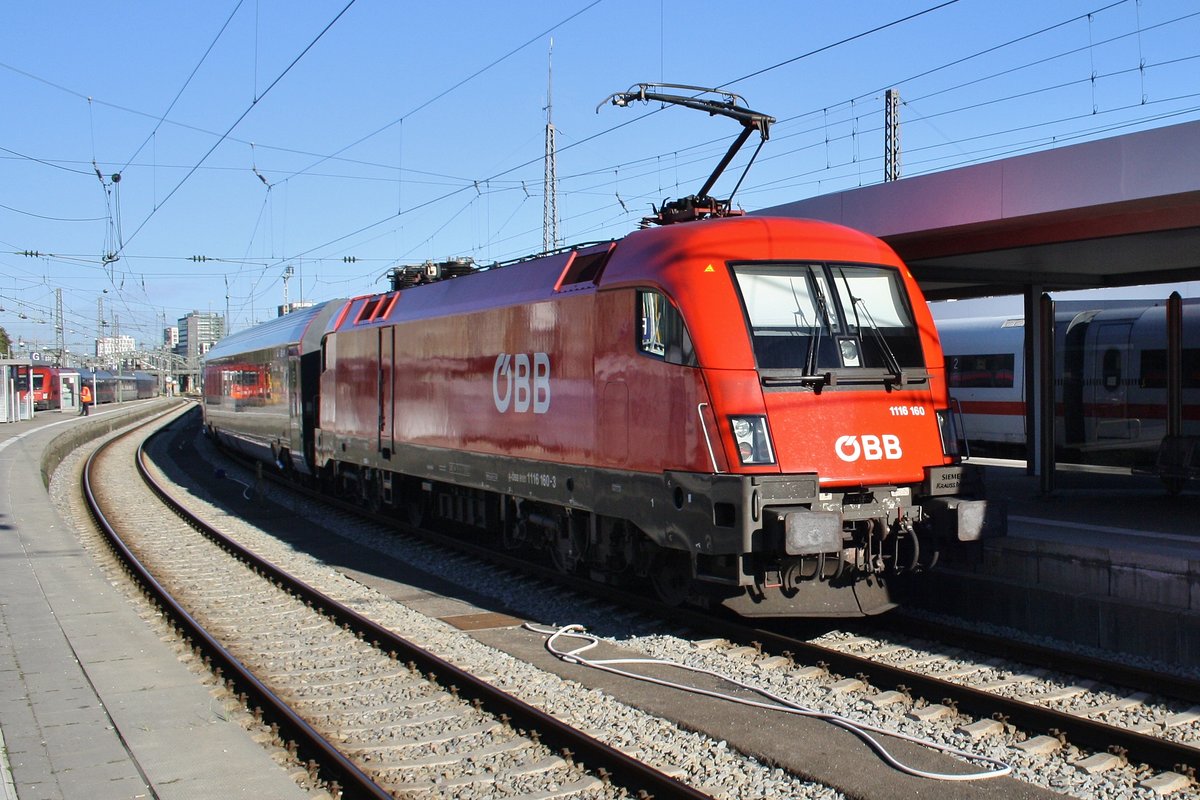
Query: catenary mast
{"type": "Point", "coordinates": [550, 181]}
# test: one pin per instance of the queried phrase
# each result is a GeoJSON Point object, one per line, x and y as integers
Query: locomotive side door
{"type": "Point", "coordinates": [1109, 406]}
{"type": "Point", "coordinates": [386, 390]}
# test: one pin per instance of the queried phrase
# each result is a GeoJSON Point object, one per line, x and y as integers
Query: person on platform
{"type": "Point", "coordinates": [85, 400]}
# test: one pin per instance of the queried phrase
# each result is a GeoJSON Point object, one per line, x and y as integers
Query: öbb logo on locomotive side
{"type": "Point", "coordinates": [521, 381]}
{"type": "Point", "coordinates": [869, 447]}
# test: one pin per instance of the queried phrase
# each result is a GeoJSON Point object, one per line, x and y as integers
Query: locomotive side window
{"type": "Point", "coordinates": [987, 371]}
{"type": "Point", "coordinates": [815, 317]}
{"type": "Point", "coordinates": [662, 333]}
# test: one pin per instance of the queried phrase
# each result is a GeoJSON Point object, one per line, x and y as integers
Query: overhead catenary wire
{"type": "Point", "coordinates": [183, 88]}
{"type": "Point", "coordinates": [957, 61]}
{"type": "Point", "coordinates": [609, 168]}
{"type": "Point", "coordinates": [238, 121]}
{"type": "Point", "coordinates": [459, 84]}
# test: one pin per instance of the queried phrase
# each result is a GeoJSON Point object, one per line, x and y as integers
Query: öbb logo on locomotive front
{"type": "Point", "coordinates": [869, 447]}
{"type": "Point", "coordinates": [521, 381]}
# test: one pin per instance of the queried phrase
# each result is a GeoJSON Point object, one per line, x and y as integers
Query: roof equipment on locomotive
{"type": "Point", "coordinates": [701, 205]}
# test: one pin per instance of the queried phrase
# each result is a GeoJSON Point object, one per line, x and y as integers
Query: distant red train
{"type": "Point", "coordinates": [749, 411]}
{"type": "Point", "coordinates": [244, 384]}
{"type": "Point", "coordinates": [109, 387]}
{"type": "Point", "coordinates": [45, 388]}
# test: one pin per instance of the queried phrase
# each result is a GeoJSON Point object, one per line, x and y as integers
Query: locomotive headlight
{"type": "Point", "coordinates": [849, 349]}
{"type": "Point", "coordinates": [752, 440]}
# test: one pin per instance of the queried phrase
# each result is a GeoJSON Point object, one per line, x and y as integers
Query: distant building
{"type": "Point", "coordinates": [197, 333]}
{"type": "Point", "coordinates": [171, 337]}
{"type": "Point", "coordinates": [288, 308]}
{"type": "Point", "coordinates": [110, 349]}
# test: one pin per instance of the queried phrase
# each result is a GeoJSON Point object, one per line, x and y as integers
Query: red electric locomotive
{"type": "Point", "coordinates": [754, 404]}
{"type": "Point", "coordinates": [748, 411]}
{"type": "Point", "coordinates": [45, 388]}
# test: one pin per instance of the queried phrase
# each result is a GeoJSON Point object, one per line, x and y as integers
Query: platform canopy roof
{"type": "Point", "coordinates": [1121, 211]}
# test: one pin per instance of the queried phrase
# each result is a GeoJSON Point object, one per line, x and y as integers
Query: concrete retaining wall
{"type": "Point", "coordinates": [70, 440]}
{"type": "Point", "coordinates": [1137, 604]}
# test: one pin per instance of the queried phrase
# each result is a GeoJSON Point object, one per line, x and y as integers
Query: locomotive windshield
{"type": "Point", "coordinates": [817, 319]}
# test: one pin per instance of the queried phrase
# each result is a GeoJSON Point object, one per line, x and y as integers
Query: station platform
{"type": "Point", "coordinates": [92, 704]}
{"type": "Point", "coordinates": [1107, 559]}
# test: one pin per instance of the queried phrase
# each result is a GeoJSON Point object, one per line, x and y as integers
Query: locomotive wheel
{"type": "Point", "coordinates": [414, 512]}
{"type": "Point", "coordinates": [567, 547]}
{"type": "Point", "coordinates": [374, 498]}
{"type": "Point", "coordinates": [671, 576]}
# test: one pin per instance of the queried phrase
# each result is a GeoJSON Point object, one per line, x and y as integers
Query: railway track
{"type": "Point", "coordinates": [730, 647]}
{"type": "Point", "coordinates": [1111, 716]}
{"type": "Point", "coordinates": [368, 713]}
{"type": "Point", "coordinates": [1128, 718]}
{"type": "Point", "coordinates": [1131, 721]}
{"type": "Point", "coordinates": [1140, 711]}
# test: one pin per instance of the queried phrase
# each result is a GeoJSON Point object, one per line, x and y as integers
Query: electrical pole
{"type": "Point", "coordinates": [60, 344]}
{"type": "Point", "coordinates": [891, 132]}
{"type": "Point", "coordinates": [99, 325]}
{"type": "Point", "coordinates": [550, 182]}
{"type": "Point", "coordinates": [288, 272]}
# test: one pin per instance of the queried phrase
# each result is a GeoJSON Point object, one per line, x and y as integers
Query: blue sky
{"type": "Point", "coordinates": [263, 134]}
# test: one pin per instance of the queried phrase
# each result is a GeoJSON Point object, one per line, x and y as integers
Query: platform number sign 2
{"type": "Point", "coordinates": [521, 383]}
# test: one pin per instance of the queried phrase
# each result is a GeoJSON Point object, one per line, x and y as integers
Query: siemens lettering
{"type": "Point", "coordinates": [522, 381]}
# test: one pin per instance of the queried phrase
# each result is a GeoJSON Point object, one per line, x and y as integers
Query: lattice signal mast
{"type": "Point", "coordinates": [550, 180]}
{"type": "Point", "coordinates": [60, 344]}
{"type": "Point", "coordinates": [891, 128]}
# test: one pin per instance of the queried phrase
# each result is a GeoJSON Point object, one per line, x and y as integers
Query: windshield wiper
{"type": "Point", "coordinates": [893, 364]}
{"type": "Point", "coordinates": [856, 376]}
{"type": "Point", "coordinates": [810, 366]}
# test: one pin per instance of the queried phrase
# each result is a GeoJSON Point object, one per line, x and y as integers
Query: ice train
{"type": "Point", "coordinates": [1110, 379]}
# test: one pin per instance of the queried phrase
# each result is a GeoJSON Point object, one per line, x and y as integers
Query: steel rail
{"type": "Point", "coordinates": [310, 745]}
{"type": "Point", "coordinates": [1174, 687]}
{"type": "Point", "coordinates": [1082, 731]}
{"type": "Point", "coordinates": [608, 762]}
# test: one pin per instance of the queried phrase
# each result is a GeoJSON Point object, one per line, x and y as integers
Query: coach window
{"type": "Point", "coordinates": [1154, 369]}
{"type": "Point", "coordinates": [990, 371]}
{"type": "Point", "coordinates": [1112, 369]}
{"type": "Point", "coordinates": [662, 333]}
